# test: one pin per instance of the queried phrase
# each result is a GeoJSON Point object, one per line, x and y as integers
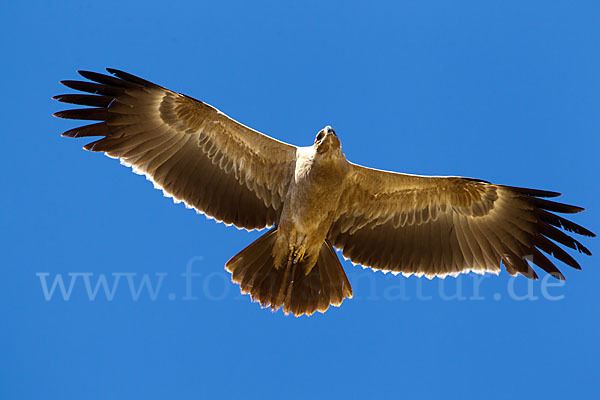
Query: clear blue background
{"type": "Point", "coordinates": [504, 91]}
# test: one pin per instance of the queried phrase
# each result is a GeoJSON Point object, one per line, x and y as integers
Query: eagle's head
{"type": "Point", "coordinates": [327, 143]}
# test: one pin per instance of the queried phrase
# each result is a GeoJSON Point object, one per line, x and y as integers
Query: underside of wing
{"type": "Point", "coordinates": [439, 226]}
{"type": "Point", "coordinates": [190, 150]}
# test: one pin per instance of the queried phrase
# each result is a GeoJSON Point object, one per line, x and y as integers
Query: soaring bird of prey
{"type": "Point", "coordinates": [315, 200]}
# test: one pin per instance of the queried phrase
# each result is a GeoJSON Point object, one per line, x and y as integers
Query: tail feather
{"type": "Point", "coordinates": [257, 257]}
{"type": "Point", "coordinates": [289, 287]}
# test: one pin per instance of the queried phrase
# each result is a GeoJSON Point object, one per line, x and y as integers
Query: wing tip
{"type": "Point", "coordinates": [87, 74]}
{"type": "Point", "coordinates": [90, 146]}
{"type": "Point", "coordinates": [558, 276]}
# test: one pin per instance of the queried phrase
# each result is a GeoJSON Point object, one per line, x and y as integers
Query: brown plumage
{"type": "Point", "coordinates": [315, 199]}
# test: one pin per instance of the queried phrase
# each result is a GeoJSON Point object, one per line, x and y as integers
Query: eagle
{"type": "Point", "coordinates": [314, 200]}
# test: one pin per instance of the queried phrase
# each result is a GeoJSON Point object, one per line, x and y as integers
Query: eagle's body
{"type": "Point", "coordinates": [315, 200]}
{"type": "Point", "coordinates": [311, 201]}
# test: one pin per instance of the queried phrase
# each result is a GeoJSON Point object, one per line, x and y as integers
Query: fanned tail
{"type": "Point", "coordinates": [288, 287]}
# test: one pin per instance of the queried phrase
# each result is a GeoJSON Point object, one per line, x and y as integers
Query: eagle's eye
{"type": "Point", "coordinates": [320, 136]}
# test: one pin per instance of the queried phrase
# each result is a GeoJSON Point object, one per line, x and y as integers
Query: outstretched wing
{"type": "Point", "coordinates": [190, 150]}
{"type": "Point", "coordinates": [438, 226]}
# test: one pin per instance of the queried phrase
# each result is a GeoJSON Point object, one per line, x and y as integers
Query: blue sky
{"type": "Point", "coordinates": [502, 91]}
